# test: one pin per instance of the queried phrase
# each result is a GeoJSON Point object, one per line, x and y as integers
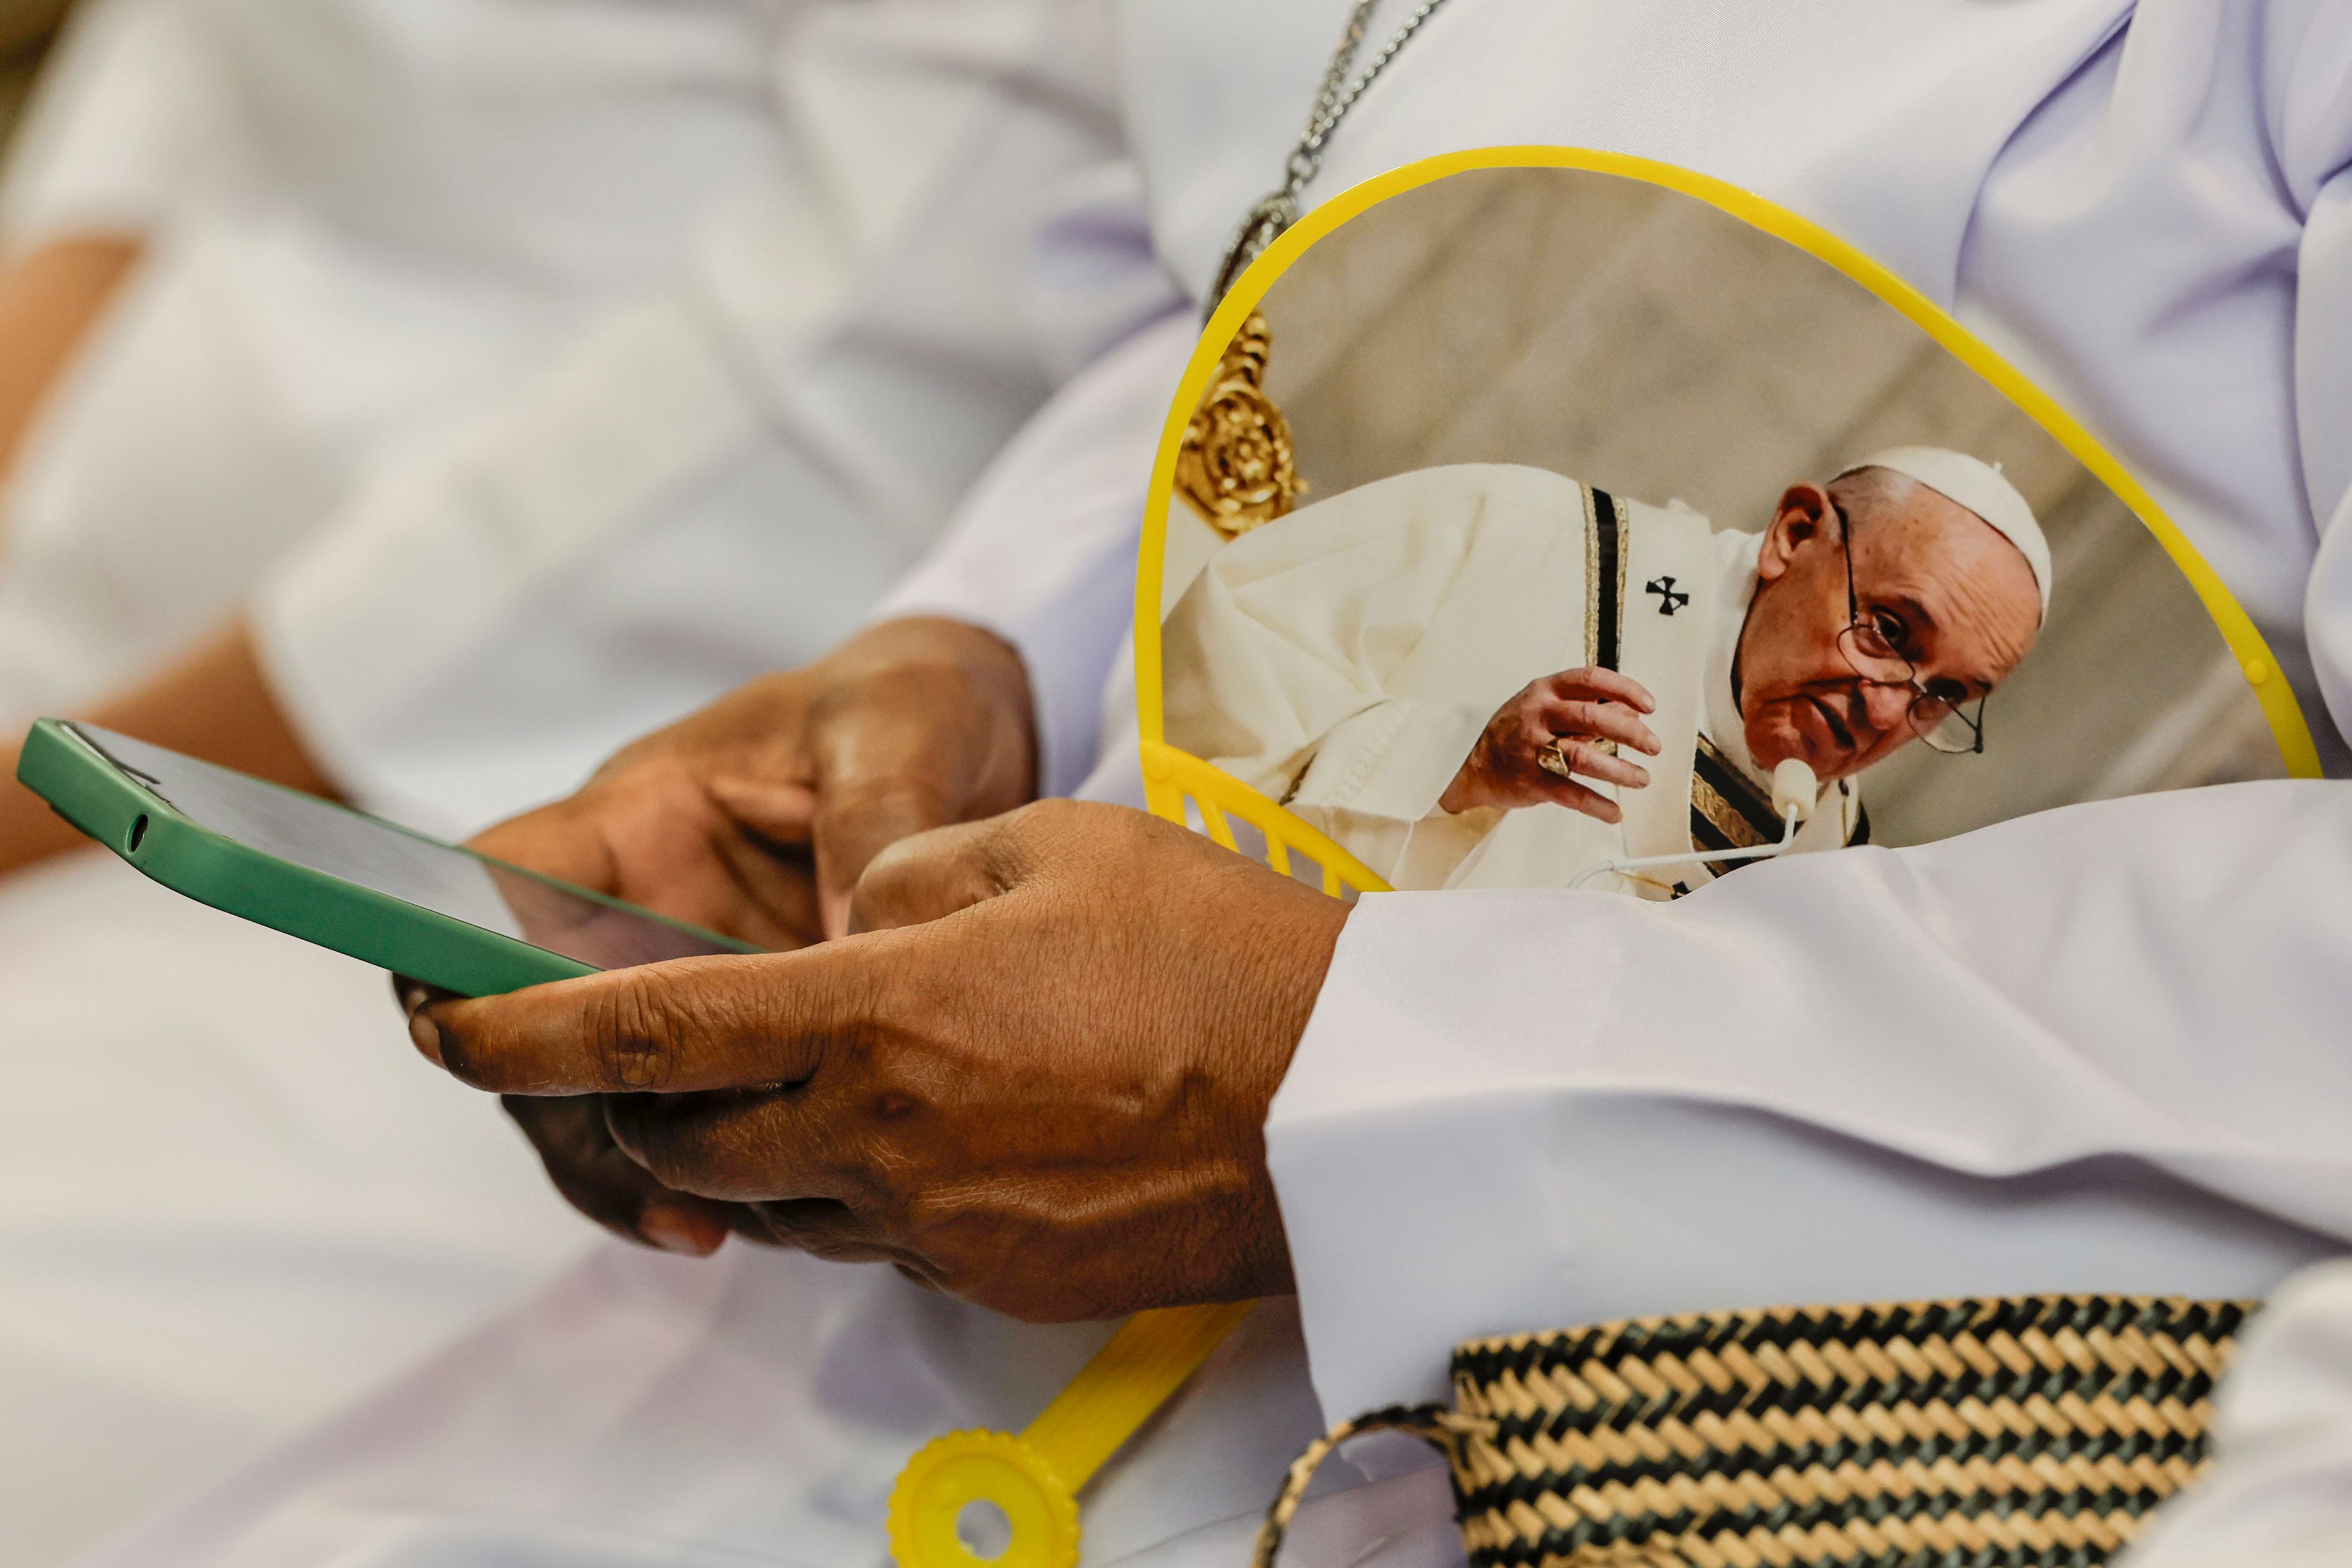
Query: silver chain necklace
{"type": "Point", "coordinates": [1278, 209]}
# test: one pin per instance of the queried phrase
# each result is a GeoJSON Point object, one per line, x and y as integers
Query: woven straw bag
{"type": "Point", "coordinates": [2022, 1432]}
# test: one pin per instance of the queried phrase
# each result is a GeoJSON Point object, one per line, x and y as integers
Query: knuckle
{"type": "Point", "coordinates": [658, 1143]}
{"type": "Point", "coordinates": [1048, 816]}
{"type": "Point", "coordinates": [997, 854]}
{"type": "Point", "coordinates": [637, 1037]}
{"type": "Point", "coordinates": [1013, 838]}
{"type": "Point", "coordinates": [883, 888]}
{"type": "Point", "coordinates": [859, 823]}
{"type": "Point", "coordinates": [888, 795]}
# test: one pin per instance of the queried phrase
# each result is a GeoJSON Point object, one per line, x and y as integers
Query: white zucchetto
{"type": "Point", "coordinates": [1982, 489]}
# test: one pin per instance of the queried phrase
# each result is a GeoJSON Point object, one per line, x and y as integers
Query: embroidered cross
{"type": "Point", "coordinates": [1668, 600]}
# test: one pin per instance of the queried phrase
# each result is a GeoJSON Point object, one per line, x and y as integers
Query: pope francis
{"type": "Point", "coordinates": [1425, 667]}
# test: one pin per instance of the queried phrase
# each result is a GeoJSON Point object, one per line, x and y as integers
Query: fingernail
{"type": "Point", "coordinates": [675, 1230]}
{"type": "Point", "coordinates": [426, 1037]}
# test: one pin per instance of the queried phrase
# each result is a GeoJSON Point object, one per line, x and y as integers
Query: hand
{"type": "Point", "coordinates": [1038, 1078]}
{"type": "Point", "coordinates": [574, 1142]}
{"type": "Point", "coordinates": [1551, 728]}
{"type": "Point", "coordinates": [755, 818]}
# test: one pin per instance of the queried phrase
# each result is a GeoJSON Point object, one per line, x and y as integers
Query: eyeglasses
{"type": "Point", "coordinates": [1871, 646]}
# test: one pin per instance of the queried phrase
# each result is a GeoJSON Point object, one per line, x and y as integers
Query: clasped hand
{"type": "Point", "coordinates": [1013, 1079]}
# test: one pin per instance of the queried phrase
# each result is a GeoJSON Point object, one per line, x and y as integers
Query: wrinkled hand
{"type": "Point", "coordinates": [1554, 728]}
{"type": "Point", "coordinates": [1038, 1078]}
{"type": "Point", "coordinates": [755, 818]}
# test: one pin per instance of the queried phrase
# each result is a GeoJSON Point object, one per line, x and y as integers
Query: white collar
{"type": "Point", "coordinates": [1720, 720]}
{"type": "Point", "coordinates": [1736, 553]}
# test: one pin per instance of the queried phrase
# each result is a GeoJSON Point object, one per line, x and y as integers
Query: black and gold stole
{"type": "Point", "coordinates": [1729, 810]}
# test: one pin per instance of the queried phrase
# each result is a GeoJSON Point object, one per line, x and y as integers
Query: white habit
{"type": "Point", "coordinates": [365, 220]}
{"type": "Point", "coordinates": [1344, 660]}
{"type": "Point", "coordinates": [713, 476]}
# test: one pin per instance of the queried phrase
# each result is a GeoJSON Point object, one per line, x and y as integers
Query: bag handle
{"type": "Point", "coordinates": [1439, 1426]}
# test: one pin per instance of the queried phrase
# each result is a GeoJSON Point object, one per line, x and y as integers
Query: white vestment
{"type": "Point", "coordinates": [715, 473]}
{"type": "Point", "coordinates": [2098, 1050]}
{"type": "Point", "coordinates": [365, 220]}
{"type": "Point", "coordinates": [1344, 660]}
{"type": "Point", "coordinates": [723, 478]}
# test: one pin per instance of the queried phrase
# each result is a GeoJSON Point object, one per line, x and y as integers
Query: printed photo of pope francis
{"type": "Point", "coordinates": [1537, 521]}
{"type": "Point", "coordinates": [1492, 675]}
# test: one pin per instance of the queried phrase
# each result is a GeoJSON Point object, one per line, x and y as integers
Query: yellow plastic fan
{"type": "Point", "coordinates": [1033, 1479]}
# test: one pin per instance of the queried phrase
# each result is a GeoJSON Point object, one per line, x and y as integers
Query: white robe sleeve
{"type": "Point", "coordinates": [1394, 759]}
{"type": "Point", "coordinates": [2320, 126]}
{"type": "Point", "coordinates": [1282, 661]}
{"type": "Point", "coordinates": [134, 117]}
{"type": "Point", "coordinates": [2280, 1492]}
{"type": "Point", "coordinates": [2102, 1048]}
{"type": "Point", "coordinates": [1294, 633]}
{"type": "Point", "coordinates": [726, 477]}
{"type": "Point", "coordinates": [1042, 553]}
{"type": "Point", "coordinates": [453, 601]}
{"type": "Point", "coordinates": [2094, 1049]}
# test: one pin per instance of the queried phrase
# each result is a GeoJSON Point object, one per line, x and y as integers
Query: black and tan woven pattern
{"type": "Point", "coordinates": [2014, 1433]}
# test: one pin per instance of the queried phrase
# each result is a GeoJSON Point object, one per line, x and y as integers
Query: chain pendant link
{"type": "Point", "coordinates": [1278, 208]}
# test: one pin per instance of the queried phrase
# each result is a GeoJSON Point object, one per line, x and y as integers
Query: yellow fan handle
{"type": "Point", "coordinates": [1034, 1479]}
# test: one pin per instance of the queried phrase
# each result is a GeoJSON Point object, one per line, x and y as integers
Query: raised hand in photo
{"type": "Point", "coordinates": [1554, 729]}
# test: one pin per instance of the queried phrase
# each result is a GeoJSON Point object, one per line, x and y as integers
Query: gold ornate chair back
{"type": "Point", "coordinates": [1237, 467]}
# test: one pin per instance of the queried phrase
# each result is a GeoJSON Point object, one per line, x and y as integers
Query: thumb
{"type": "Point", "coordinates": [891, 772]}
{"type": "Point", "coordinates": [912, 754]}
{"type": "Point", "coordinates": [690, 1025]}
{"type": "Point", "coordinates": [930, 875]}
{"type": "Point", "coordinates": [783, 812]}
{"type": "Point", "coordinates": [853, 826]}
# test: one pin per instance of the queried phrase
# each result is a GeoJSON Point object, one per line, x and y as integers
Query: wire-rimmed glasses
{"type": "Point", "coordinates": [1936, 714]}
